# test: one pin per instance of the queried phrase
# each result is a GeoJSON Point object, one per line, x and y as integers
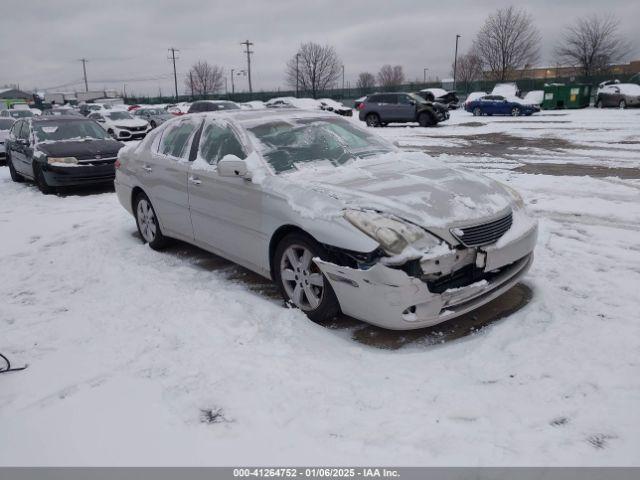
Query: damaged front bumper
{"type": "Point", "coordinates": [391, 298]}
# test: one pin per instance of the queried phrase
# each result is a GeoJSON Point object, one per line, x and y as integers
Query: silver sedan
{"type": "Point", "coordinates": [338, 217]}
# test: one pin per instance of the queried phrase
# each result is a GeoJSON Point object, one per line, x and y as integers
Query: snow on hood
{"type": "Point", "coordinates": [629, 88]}
{"type": "Point", "coordinates": [409, 185]}
{"type": "Point", "coordinates": [129, 122]}
{"type": "Point", "coordinates": [534, 97]}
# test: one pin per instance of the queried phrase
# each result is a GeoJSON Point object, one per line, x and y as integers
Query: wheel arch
{"type": "Point", "coordinates": [277, 237]}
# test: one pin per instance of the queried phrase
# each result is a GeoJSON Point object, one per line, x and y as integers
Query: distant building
{"type": "Point", "coordinates": [9, 93]}
{"type": "Point", "coordinates": [542, 73]}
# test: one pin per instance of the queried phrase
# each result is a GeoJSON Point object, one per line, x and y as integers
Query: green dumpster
{"type": "Point", "coordinates": [561, 95]}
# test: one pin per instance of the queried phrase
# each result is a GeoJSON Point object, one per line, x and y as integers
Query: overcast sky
{"type": "Point", "coordinates": [126, 41]}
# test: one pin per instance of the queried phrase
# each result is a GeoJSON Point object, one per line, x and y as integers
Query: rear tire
{"type": "Point", "coordinates": [15, 176]}
{"type": "Point", "coordinates": [299, 279]}
{"type": "Point", "coordinates": [41, 181]}
{"type": "Point", "coordinates": [515, 112]}
{"type": "Point", "coordinates": [147, 223]}
{"type": "Point", "coordinates": [426, 120]}
{"type": "Point", "coordinates": [599, 104]}
{"type": "Point", "coordinates": [623, 104]}
{"type": "Point", "coordinates": [373, 120]}
{"type": "Point", "coordinates": [477, 112]}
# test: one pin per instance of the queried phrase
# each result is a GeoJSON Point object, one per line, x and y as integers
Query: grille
{"type": "Point", "coordinates": [483, 234]}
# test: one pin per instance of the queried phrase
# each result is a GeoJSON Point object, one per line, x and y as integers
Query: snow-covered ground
{"type": "Point", "coordinates": [180, 358]}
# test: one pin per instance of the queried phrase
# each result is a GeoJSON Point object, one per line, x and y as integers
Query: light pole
{"type": "Point", "coordinates": [424, 75]}
{"type": "Point", "coordinates": [343, 79]}
{"type": "Point", "coordinates": [455, 62]}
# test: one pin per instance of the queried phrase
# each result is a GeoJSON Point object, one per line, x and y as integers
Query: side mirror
{"type": "Point", "coordinates": [232, 166]}
{"type": "Point", "coordinates": [412, 102]}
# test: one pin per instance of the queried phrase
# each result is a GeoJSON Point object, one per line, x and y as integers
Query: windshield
{"type": "Point", "coordinates": [285, 144]}
{"type": "Point", "coordinates": [119, 115]}
{"type": "Point", "coordinates": [59, 130]}
{"type": "Point", "coordinates": [6, 124]}
{"type": "Point", "coordinates": [417, 98]}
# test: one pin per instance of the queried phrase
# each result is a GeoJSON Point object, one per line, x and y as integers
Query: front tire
{"type": "Point", "coordinates": [153, 124]}
{"type": "Point", "coordinates": [426, 120]}
{"type": "Point", "coordinates": [515, 112]}
{"type": "Point", "coordinates": [623, 104]}
{"type": "Point", "coordinates": [147, 223]}
{"type": "Point", "coordinates": [15, 176]}
{"type": "Point", "coordinates": [477, 112]}
{"type": "Point", "coordinates": [299, 279]}
{"type": "Point", "coordinates": [599, 104]}
{"type": "Point", "coordinates": [41, 181]}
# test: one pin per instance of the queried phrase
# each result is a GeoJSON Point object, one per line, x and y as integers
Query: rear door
{"type": "Point", "coordinates": [226, 212]}
{"type": "Point", "coordinates": [164, 174]}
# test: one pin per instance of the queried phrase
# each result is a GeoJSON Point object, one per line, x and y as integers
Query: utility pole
{"type": "Point", "coordinates": [175, 76]}
{"type": "Point", "coordinates": [124, 90]}
{"type": "Point", "coordinates": [297, 74]}
{"type": "Point", "coordinates": [233, 88]}
{"type": "Point", "coordinates": [455, 63]}
{"type": "Point", "coordinates": [247, 45]}
{"type": "Point", "coordinates": [343, 79]}
{"type": "Point", "coordinates": [191, 83]}
{"type": "Point", "coordinates": [424, 75]}
{"type": "Point", "coordinates": [84, 71]}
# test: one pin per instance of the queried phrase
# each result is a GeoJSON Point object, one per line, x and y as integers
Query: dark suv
{"type": "Point", "coordinates": [380, 109]}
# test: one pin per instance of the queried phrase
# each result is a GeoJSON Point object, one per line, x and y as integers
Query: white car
{"type": "Point", "coordinates": [121, 125]}
{"type": "Point", "coordinates": [338, 217]}
{"type": "Point", "coordinates": [5, 128]}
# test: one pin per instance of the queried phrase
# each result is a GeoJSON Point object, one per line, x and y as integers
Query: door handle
{"type": "Point", "coordinates": [147, 169]}
{"type": "Point", "coordinates": [194, 180]}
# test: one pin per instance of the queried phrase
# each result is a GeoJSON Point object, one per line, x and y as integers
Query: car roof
{"type": "Point", "coordinates": [251, 116]}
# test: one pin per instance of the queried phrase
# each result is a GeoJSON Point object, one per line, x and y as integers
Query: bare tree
{"type": "Point", "coordinates": [507, 41]}
{"type": "Point", "coordinates": [592, 43]}
{"type": "Point", "coordinates": [204, 78]}
{"type": "Point", "coordinates": [316, 68]}
{"type": "Point", "coordinates": [366, 81]}
{"type": "Point", "coordinates": [389, 76]}
{"type": "Point", "coordinates": [468, 70]}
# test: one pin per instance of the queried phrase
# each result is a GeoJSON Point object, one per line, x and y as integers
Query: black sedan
{"type": "Point", "coordinates": [61, 151]}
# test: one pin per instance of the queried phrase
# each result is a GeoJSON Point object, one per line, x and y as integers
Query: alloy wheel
{"type": "Point", "coordinates": [301, 278]}
{"type": "Point", "coordinates": [515, 112]}
{"type": "Point", "coordinates": [146, 220]}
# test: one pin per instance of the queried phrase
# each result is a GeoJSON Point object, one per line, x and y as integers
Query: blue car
{"type": "Point", "coordinates": [499, 105]}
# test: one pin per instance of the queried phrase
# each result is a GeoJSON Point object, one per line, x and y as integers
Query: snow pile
{"type": "Point", "coordinates": [534, 97]}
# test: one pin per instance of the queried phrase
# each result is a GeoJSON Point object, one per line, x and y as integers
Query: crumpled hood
{"type": "Point", "coordinates": [81, 148]}
{"type": "Point", "coordinates": [409, 185]}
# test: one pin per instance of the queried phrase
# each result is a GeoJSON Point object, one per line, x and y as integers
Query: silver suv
{"type": "Point", "coordinates": [380, 109]}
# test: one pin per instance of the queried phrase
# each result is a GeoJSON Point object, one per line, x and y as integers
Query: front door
{"type": "Point", "coordinates": [406, 108]}
{"type": "Point", "coordinates": [164, 177]}
{"type": "Point", "coordinates": [225, 211]}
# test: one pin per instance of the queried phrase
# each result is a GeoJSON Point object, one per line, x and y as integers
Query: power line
{"type": "Point", "coordinates": [84, 71]}
{"type": "Point", "coordinates": [175, 76]}
{"type": "Point", "coordinates": [248, 44]}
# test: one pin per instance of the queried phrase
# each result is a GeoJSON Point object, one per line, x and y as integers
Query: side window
{"type": "Point", "coordinates": [389, 98]}
{"type": "Point", "coordinates": [176, 139]}
{"type": "Point", "coordinates": [375, 99]}
{"type": "Point", "coordinates": [15, 130]}
{"type": "Point", "coordinates": [196, 107]}
{"type": "Point", "coordinates": [218, 140]}
{"type": "Point", "coordinates": [404, 99]}
{"type": "Point", "coordinates": [24, 131]}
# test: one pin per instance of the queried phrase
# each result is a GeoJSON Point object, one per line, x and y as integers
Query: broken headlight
{"type": "Point", "coordinates": [392, 234]}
